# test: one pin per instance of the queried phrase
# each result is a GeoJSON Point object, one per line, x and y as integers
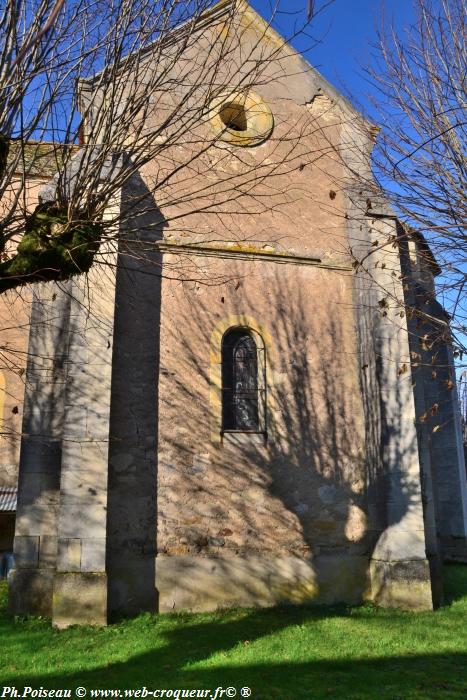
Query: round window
{"type": "Point", "coordinates": [241, 119]}
{"type": "Point", "coordinates": [233, 116]}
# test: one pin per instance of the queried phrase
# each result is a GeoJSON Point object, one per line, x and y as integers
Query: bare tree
{"type": "Point", "coordinates": [420, 159]}
{"type": "Point", "coordinates": [101, 91]}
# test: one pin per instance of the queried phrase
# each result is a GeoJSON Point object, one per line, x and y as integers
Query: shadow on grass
{"type": "Point", "coordinates": [421, 677]}
{"type": "Point", "coordinates": [282, 653]}
{"type": "Point", "coordinates": [455, 583]}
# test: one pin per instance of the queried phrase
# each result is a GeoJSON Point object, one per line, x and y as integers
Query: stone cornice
{"type": "Point", "coordinates": [245, 252]}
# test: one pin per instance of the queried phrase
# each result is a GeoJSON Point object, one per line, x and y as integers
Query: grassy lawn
{"type": "Point", "coordinates": [286, 652]}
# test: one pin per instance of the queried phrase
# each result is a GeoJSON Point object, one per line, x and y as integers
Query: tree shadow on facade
{"type": "Point", "coordinates": [234, 519]}
{"type": "Point", "coordinates": [300, 497]}
{"type": "Point", "coordinates": [132, 482]}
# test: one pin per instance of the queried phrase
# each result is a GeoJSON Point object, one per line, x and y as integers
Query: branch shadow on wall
{"type": "Point", "coordinates": [236, 521]}
{"type": "Point", "coordinates": [41, 450]}
{"type": "Point", "coordinates": [285, 520]}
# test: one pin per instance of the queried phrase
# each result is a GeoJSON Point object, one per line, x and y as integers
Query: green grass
{"type": "Point", "coordinates": [285, 652]}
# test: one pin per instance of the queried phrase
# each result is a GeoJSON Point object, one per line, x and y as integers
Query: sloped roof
{"type": "Point", "coordinates": [8, 498]}
{"type": "Point", "coordinates": [423, 245]}
{"type": "Point", "coordinates": [38, 158]}
{"type": "Point", "coordinates": [271, 33]}
{"type": "Point", "coordinates": [224, 8]}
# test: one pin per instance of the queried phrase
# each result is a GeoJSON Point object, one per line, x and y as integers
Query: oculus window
{"type": "Point", "coordinates": [241, 119]}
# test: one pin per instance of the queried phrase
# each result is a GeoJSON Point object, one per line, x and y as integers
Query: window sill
{"type": "Point", "coordinates": [239, 433]}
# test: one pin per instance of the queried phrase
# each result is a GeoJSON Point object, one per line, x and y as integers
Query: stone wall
{"type": "Point", "coordinates": [288, 512]}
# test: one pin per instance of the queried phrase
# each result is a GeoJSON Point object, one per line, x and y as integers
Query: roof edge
{"type": "Point", "coordinates": [225, 7]}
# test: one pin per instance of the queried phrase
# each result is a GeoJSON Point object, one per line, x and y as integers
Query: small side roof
{"type": "Point", "coordinates": [8, 499]}
{"type": "Point", "coordinates": [38, 158]}
{"type": "Point", "coordinates": [423, 245]}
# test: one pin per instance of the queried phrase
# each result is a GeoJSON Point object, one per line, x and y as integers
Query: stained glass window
{"type": "Point", "coordinates": [240, 409]}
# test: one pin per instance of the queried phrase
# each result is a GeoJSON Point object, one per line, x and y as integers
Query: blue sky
{"type": "Point", "coordinates": [346, 29]}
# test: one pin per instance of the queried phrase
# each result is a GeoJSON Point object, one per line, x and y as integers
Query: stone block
{"type": "Point", "coordinates": [41, 488]}
{"type": "Point", "coordinates": [48, 552]}
{"type": "Point", "coordinates": [36, 519]}
{"type": "Point", "coordinates": [87, 520]}
{"type": "Point", "coordinates": [75, 421]}
{"type": "Point", "coordinates": [132, 586]}
{"type": "Point", "coordinates": [407, 516]}
{"type": "Point", "coordinates": [87, 494]}
{"type": "Point", "coordinates": [79, 599]}
{"type": "Point", "coordinates": [93, 555]}
{"type": "Point", "coordinates": [454, 524]}
{"type": "Point", "coordinates": [399, 544]}
{"type": "Point", "coordinates": [436, 574]}
{"type": "Point", "coordinates": [444, 491]}
{"type": "Point", "coordinates": [40, 455]}
{"type": "Point", "coordinates": [243, 440]}
{"type": "Point", "coordinates": [97, 423]}
{"type": "Point", "coordinates": [402, 584]}
{"type": "Point", "coordinates": [376, 516]}
{"type": "Point", "coordinates": [341, 578]}
{"type": "Point", "coordinates": [30, 592]}
{"type": "Point", "coordinates": [122, 462]}
{"type": "Point", "coordinates": [207, 583]}
{"type": "Point", "coordinates": [445, 455]}
{"type": "Point", "coordinates": [69, 554]}
{"type": "Point", "coordinates": [80, 355]}
{"type": "Point", "coordinates": [26, 552]}
{"type": "Point", "coordinates": [84, 467]}
{"type": "Point", "coordinates": [454, 548]}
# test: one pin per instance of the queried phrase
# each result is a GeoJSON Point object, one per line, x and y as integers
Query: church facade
{"type": "Point", "coordinates": [244, 415]}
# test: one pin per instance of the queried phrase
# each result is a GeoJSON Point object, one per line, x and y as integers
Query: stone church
{"type": "Point", "coordinates": [263, 414]}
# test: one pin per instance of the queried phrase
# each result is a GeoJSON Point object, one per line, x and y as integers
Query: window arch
{"type": "Point", "coordinates": [243, 385]}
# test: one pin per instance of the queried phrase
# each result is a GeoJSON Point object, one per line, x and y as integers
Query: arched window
{"type": "Point", "coordinates": [242, 383]}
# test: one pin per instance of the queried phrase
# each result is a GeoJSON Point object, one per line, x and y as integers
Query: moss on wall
{"type": "Point", "coordinates": [52, 248]}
